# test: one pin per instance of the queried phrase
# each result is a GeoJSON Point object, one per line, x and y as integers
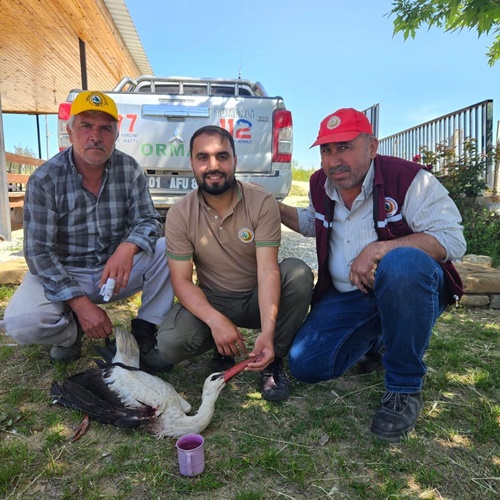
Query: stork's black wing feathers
{"type": "Point", "coordinates": [93, 381]}
{"type": "Point", "coordinates": [105, 407]}
{"type": "Point", "coordinates": [88, 392]}
{"type": "Point", "coordinates": [107, 353]}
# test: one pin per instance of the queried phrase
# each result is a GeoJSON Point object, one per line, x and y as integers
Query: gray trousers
{"type": "Point", "coordinates": [31, 319]}
{"type": "Point", "coordinates": [182, 335]}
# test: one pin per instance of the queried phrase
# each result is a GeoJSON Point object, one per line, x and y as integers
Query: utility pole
{"type": "Point", "coordinates": [47, 135]}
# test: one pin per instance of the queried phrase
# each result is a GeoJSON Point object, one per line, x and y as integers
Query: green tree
{"type": "Point", "coordinates": [463, 177]}
{"type": "Point", "coordinates": [19, 150]}
{"type": "Point", "coordinates": [452, 15]}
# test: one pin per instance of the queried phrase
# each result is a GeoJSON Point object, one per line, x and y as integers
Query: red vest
{"type": "Point", "coordinates": [392, 178]}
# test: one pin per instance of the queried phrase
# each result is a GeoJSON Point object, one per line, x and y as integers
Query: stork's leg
{"type": "Point", "coordinates": [81, 429]}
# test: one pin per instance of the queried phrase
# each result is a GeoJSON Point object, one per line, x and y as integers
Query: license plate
{"type": "Point", "coordinates": [171, 182]}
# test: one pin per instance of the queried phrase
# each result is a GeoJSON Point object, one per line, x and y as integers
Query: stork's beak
{"type": "Point", "coordinates": [229, 374]}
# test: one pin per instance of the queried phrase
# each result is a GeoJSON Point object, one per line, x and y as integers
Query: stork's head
{"type": "Point", "coordinates": [216, 382]}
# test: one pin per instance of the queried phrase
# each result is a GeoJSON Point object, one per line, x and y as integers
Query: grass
{"type": "Point", "coordinates": [315, 445]}
{"type": "Point", "coordinates": [302, 174]}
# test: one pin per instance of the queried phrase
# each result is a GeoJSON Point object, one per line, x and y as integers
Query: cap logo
{"type": "Point", "coordinates": [333, 122]}
{"type": "Point", "coordinates": [96, 100]}
{"type": "Point", "coordinates": [246, 235]}
{"type": "Point", "coordinates": [93, 100]}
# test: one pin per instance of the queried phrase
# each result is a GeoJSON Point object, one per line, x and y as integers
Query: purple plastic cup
{"type": "Point", "coordinates": [191, 454]}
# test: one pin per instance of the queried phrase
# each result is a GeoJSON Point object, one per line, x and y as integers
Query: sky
{"type": "Point", "coordinates": [319, 55]}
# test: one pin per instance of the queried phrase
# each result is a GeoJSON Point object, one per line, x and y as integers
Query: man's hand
{"type": "Point", "coordinates": [93, 320]}
{"type": "Point", "coordinates": [119, 265]}
{"type": "Point", "coordinates": [263, 352]}
{"type": "Point", "coordinates": [228, 339]}
{"type": "Point", "coordinates": [363, 267]}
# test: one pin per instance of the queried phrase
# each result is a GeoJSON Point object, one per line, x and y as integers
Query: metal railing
{"type": "Point", "coordinates": [451, 130]}
{"type": "Point", "coordinates": [373, 115]}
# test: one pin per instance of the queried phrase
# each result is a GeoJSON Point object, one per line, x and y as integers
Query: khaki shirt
{"type": "Point", "coordinates": [224, 250]}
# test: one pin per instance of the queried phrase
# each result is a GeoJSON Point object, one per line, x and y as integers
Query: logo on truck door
{"type": "Point", "coordinates": [241, 130]}
{"type": "Point", "coordinates": [174, 147]}
{"type": "Point", "coordinates": [176, 137]}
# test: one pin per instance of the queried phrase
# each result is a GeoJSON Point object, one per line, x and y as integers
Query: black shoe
{"type": "Point", "coordinates": [274, 384]}
{"type": "Point", "coordinates": [396, 416]}
{"type": "Point", "coordinates": [369, 363]}
{"type": "Point", "coordinates": [150, 358]}
{"type": "Point", "coordinates": [221, 363]}
{"type": "Point", "coordinates": [70, 353]}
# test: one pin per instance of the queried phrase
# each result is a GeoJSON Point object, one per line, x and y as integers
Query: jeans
{"type": "Point", "coordinates": [400, 312]}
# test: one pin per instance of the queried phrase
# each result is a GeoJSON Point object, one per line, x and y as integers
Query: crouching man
{"type": "Point", "coordinates": [386, 235]}
{"type": "Point", "coordinates": [231, 232]}
{"type": "Point", "coordinates": [88, 216]}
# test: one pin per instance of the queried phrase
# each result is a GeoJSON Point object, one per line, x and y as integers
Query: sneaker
{"type": "Point", "coordinates": [221, 363]}
{"type": "Point", "coordinates": [150, 357]}
{"type": "Point", "coordinates": [396, 416]}
{"type": "Point", "coordinates": [274, 384]}
{"type": "Point", "coordinates": [70, 353]}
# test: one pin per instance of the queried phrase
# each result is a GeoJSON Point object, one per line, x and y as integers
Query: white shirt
{"type": "Point", "coordinates": [427, 209]}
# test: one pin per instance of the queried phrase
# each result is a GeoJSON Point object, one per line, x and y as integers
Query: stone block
{"type": "Point", "coordinates": [473, 267]}
{"type": "Point", "coordinates": [495, 301]}
{"type": "Point", "coordinates": [478, 259]}
{"type": "Point", "coordinates": [482, 282]}
{"type": "Point", "coordinates": [474, 300]}
{"type": "Point", "coordinates": [12, 271]}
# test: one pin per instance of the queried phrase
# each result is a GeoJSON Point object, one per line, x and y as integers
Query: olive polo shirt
{"type": "Point", "coordinates": [224, 249]}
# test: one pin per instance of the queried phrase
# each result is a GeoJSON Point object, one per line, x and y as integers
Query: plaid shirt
{"type": "Point", "coordinates": [66, 225]}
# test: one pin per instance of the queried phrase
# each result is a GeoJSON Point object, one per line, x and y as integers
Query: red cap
{"type": "Point", "coordinates": [342, 126]}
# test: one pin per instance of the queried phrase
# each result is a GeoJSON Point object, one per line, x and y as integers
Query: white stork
{"type": "Point", "coordinates": [120, 393]}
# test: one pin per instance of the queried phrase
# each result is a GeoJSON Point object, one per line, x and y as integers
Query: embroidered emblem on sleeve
{"type": "Point", "coordinates": [391, 207]}
{"type": "Point", "coordinates": [246, 235]}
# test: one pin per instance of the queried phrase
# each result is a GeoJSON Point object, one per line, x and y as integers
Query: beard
{"type": "Point", "coordinates": [218, 187]}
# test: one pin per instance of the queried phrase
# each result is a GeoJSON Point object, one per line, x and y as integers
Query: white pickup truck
{"type": "Point", "coordinates": [158, 116]}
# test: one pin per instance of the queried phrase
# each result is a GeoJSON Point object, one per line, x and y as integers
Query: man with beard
{"type": "Point", "coordinates": [230, 231]}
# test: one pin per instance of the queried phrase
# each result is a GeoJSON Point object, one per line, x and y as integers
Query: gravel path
{"type": "Point", "coordinates": [296, 245]}
{"type": "Point", "coordinates": [12, 249]}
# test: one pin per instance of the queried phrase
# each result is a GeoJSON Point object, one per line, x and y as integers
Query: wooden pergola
{"type": "Point", "coordinates": [49, 47]}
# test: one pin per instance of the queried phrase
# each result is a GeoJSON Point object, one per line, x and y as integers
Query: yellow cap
{"type": "Point", "coordinates": [92, 100]}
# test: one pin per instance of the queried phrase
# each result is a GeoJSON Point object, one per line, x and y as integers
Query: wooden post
{"type": "Point", "coordinates": [5, 226]}
{"type": "Point", "coordinates": [83, 63]}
